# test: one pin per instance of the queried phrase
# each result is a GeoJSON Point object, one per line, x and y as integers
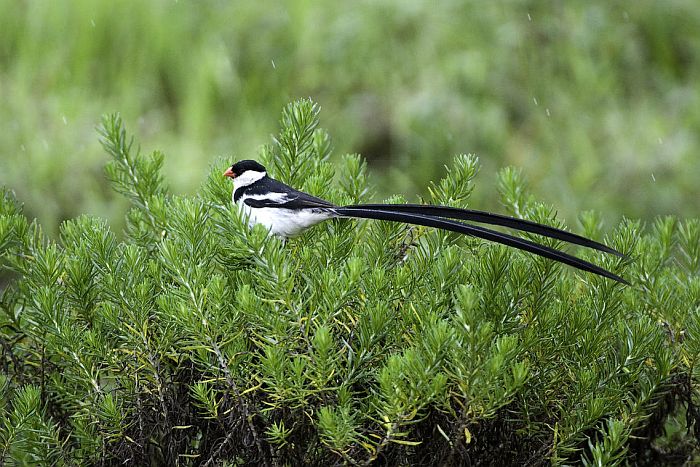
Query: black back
{"type": "Point", "coordinates": [295, 199]}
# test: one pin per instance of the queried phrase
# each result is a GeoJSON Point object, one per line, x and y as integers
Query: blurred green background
{"type": "Point", "coordinates": [598, 102]}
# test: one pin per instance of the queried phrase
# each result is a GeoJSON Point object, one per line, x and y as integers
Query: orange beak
{"type": "Point", "coordinates": [229, 173]}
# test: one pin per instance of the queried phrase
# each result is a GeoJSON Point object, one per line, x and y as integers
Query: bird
{"type": "Point", "coordinates": [286, 212]}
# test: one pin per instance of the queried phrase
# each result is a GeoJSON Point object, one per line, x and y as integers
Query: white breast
{"type": "Point", "coordinates": [283, 222]}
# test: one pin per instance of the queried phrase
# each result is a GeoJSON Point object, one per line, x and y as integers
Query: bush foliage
{"type": "Point", "coordinates": [196, 340]}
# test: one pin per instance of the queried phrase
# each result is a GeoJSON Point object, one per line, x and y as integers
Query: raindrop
{"type": "Point", "coordinates": [65, 120]}
{"type": "Point", "coordinates": [273, 64]}
{"type": "Point", "coordinates": [529, 18]}
{"type": "Point", "coordinates": [534, 99]}
{"type": "Point", "coordinates": [92, 21]}
{"type": "Point", "coordinates": [653, 179]}
{"type": "Point", "coordinates": [547, 112]}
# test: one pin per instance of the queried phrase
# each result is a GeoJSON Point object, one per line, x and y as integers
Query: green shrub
{"type": "Point", "coordinates": [196, 340]}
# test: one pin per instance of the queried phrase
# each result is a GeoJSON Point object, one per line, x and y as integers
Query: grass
{"type": "Point", "coordinates": [598, 103]}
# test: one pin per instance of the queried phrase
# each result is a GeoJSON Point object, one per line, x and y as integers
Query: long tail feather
{"type": "Point", "coordinates": [363, 212]}
{"type": "Point", "coordinates": [492, 219]}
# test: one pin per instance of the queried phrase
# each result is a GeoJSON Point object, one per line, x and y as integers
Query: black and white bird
{"type": "Point", "coordinates": [287, 212]}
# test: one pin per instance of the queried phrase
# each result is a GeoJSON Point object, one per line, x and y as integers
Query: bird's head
{"type": "Point", "coordinates": [244, 173]}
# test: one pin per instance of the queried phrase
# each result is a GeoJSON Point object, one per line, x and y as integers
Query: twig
{"type": "Point", "coordinates": [246, 413]}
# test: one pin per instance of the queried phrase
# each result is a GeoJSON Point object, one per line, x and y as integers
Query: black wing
{"type": "Point", "coordinates": [291, 202]}
{"type": "Point", "coordinates": [274, 194]}
{"type": "Point", "coordinates": [492, 219]}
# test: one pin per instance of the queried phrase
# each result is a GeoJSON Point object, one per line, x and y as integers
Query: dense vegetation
{"type": "Point", "coordinates": [599, 102]}
{"type": "Point", "coordinates": [195, 340]}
